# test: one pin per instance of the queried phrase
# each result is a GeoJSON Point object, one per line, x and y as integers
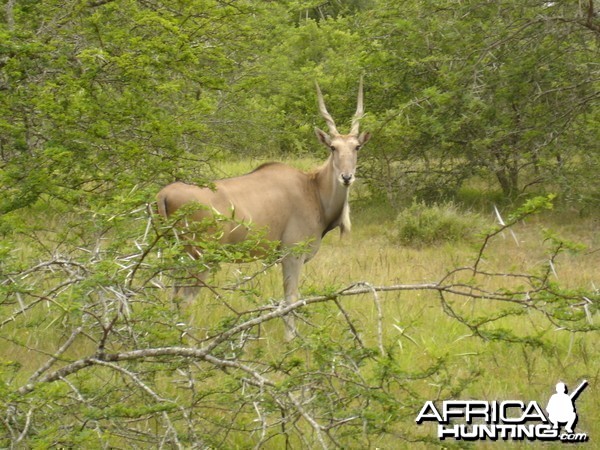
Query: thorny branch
{"type": "Point", "coordinates": [115, 346]}
{"type": "Point", "coordinates": [205, 353]}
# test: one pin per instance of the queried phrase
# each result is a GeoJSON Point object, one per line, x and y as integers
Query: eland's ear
{"type": "Point", "coordinates": [323, 137]}
{"type": "Point", "coordinates": [364, 137]}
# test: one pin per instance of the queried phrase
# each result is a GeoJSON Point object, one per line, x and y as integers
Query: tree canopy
{"type": "Point", "coordinates": [99, 96]}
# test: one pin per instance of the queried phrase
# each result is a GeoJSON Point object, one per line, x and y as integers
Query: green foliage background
{"type": "Point", "coordinates": [99, 96]}
{"type": "Point", "coordinates": [102, 102]}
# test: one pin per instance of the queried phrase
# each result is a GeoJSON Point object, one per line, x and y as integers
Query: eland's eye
{"type": "Point", "coordinates": [332, 147]}
{"type": "Point", "coordinates": [357, 148]}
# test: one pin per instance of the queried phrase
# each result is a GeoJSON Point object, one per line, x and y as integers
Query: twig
{"type": "Point", "coordinates": [379, 316]}
{"type": "Point", "coordinates": [263, 427]}
{"type": "Point", "coordinates": [26, 427]}
{"type": "Point", "coordinates": [55, 357]}
{"type": "Point", "coordinates": [349, 322]}
{"type": "Point", "coordinates": [313, 423]}
{"type": "Point", "coordinates": [502, 223]}
{"type": "Point", "coordinates": [171, 430]}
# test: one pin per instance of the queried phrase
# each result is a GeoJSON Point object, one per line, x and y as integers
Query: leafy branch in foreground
{"type": "Point", "coordinates": [110, 361]}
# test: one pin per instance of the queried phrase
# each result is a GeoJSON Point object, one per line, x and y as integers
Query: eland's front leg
{"type": "Point", "coordinates": [188, 292]}
{"type": "Point", "coordinates": [194, 281]}
{"type": "Point", "coordinates": [292, 266]}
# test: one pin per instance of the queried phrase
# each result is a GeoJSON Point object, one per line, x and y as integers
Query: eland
{"type": "Point", "coordinates": [291, 206]}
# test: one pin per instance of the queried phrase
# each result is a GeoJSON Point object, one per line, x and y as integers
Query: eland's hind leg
{"type": "Point", "coordinates": [292, 267]}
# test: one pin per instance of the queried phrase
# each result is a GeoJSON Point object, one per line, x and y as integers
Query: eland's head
{"type": "Point", "coordinates": [344, 147]}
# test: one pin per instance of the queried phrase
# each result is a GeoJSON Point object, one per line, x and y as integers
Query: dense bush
{"type": "Point", "coordinates": [423, 225]}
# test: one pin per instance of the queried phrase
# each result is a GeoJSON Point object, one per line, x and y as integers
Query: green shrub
{"type": "Point", "coordinates": [425, 225]}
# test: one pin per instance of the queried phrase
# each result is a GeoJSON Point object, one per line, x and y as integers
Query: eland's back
{"type": "Point", "coordinates": [275, 198]}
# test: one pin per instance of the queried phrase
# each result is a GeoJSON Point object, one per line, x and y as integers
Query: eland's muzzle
{"type": "Point", "coordinates": [347, 179]}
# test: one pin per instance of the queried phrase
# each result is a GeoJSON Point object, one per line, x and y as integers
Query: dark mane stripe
{"type": "Point", "coordinates": [267, 164]}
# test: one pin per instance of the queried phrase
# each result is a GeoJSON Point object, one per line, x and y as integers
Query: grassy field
{"type": "Point", "coordinates": [419, 332]}
{"type": "Point", "coordinates": [514, 353]}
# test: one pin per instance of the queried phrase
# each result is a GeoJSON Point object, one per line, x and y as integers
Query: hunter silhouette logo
{"type": "Point", "coordinates": [472, 420]}
{"type": "Point", "coordinates": [561, 407]}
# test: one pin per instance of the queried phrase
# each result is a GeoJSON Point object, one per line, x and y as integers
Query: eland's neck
{"type": "Point", "coordinates": [334, 198]}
